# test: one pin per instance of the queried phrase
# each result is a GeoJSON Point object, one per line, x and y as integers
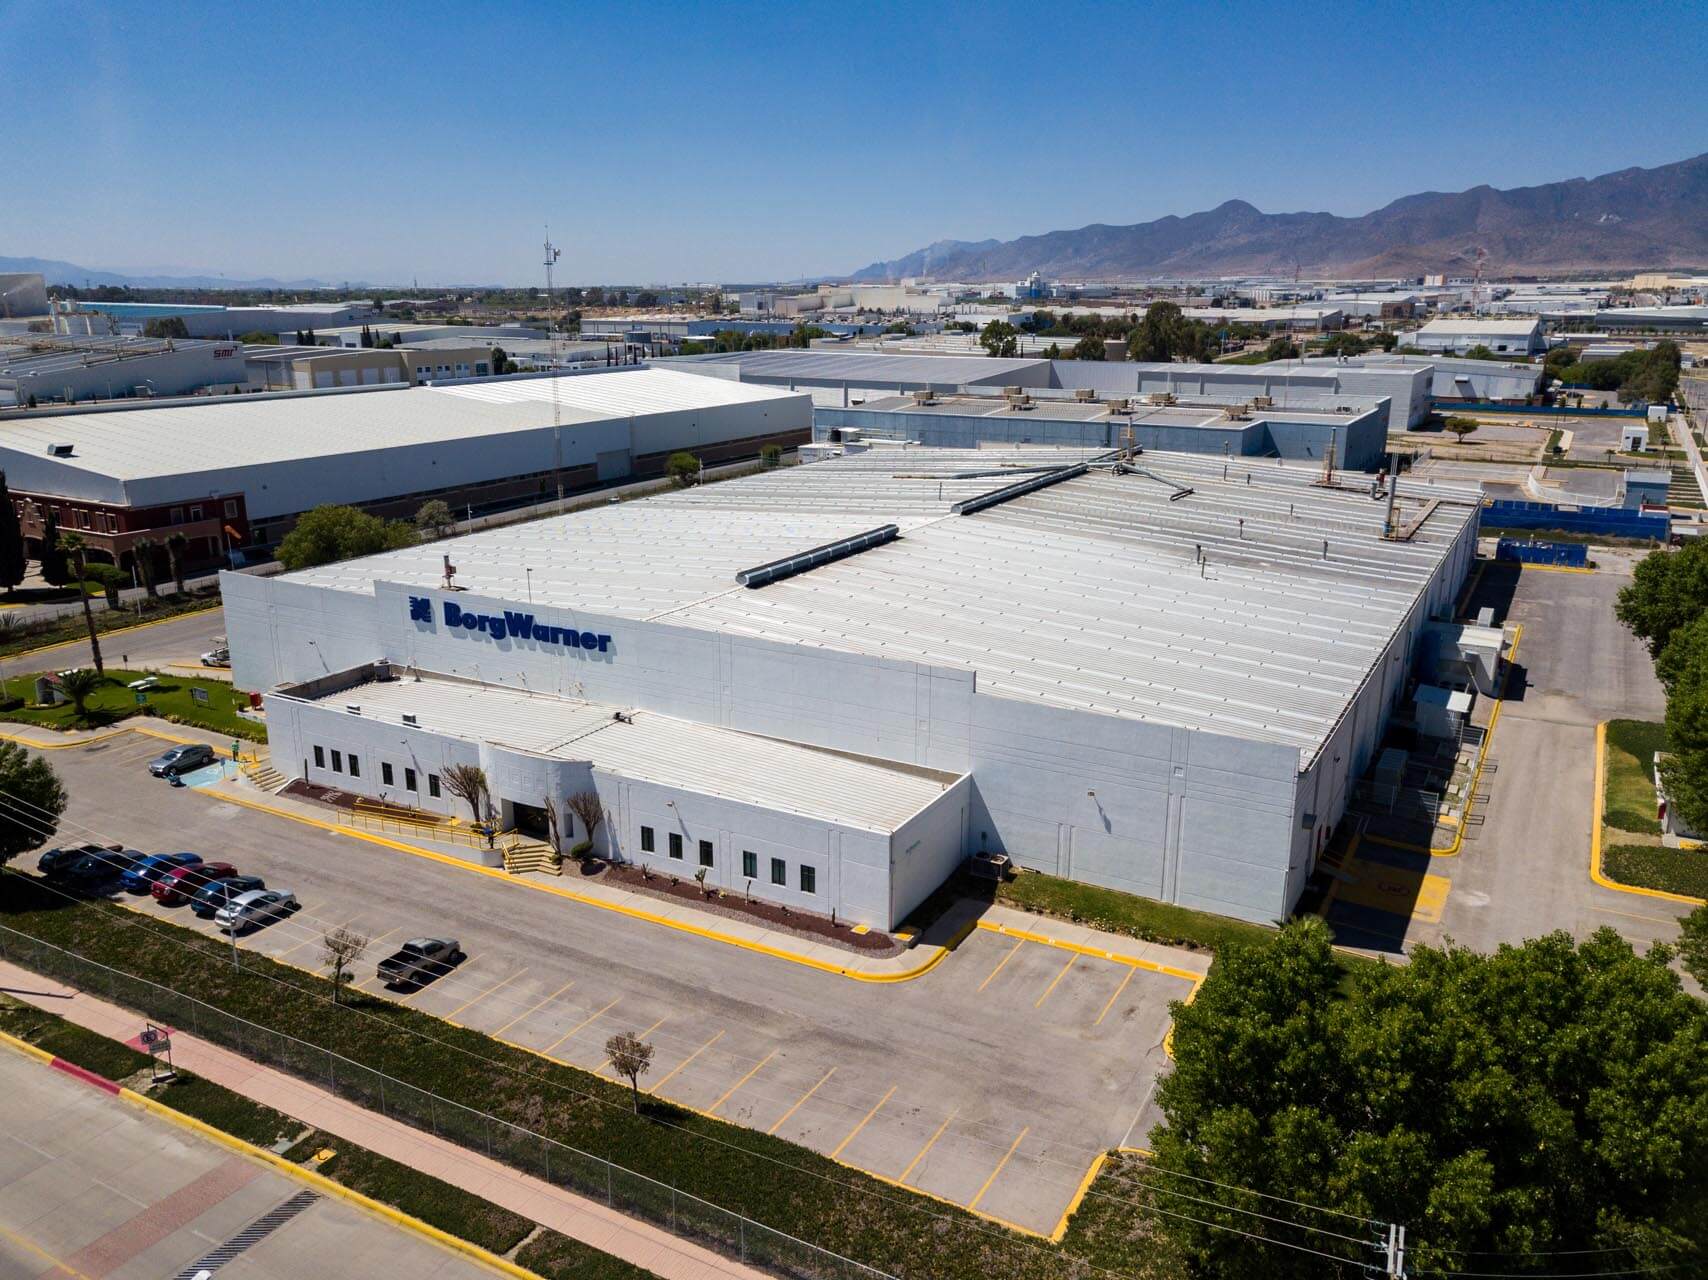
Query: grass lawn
{"type": "Point", "coordinates": [557, 1257]}
{"type": "Point", "coordinates": [1628, 802]}
{"type": "Point", "coordinates": [1653, 866]}
{"type": "Point", "coordinates": [1117, 912]}
{"type": "Point", "coordinates": [170, 700]}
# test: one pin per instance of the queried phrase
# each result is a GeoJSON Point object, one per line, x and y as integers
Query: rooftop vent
{"type": "Point", "coordinates": [354, 708]}
{"type": "Point", "coordinates": [59, 450]}
{"type": "Point", "coordinates": [409, 717]}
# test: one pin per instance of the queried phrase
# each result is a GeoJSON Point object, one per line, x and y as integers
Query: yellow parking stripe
{"type": "Point", "coordinates": [726, 1093]}
{"type": "Point", "coordinates": [1001, 1165]}
{"type": "Point", "coordinates": [484, 994]}
{"type": "Point", "coordinates": [1072, 960]}
{"type": "Point", "coordinates": [577, 1027]}
{"type": "Point", "coordinates": [801, 1100]}
{"type": "Point", "coordinates": [929, 1143]}
{"type": "Point", "coordinates": [678, 1067]}
{"type": "Point", "coordinates": [641, 1035]}
{"type": "Point", "coordinates": [1001, 963]}
{"type": "Point", "coordinates": [536, 1008]}
{"type": "Point", "coordinates": [855, 1131]}
{"type": "Point", "coordinates": [1112, 999]}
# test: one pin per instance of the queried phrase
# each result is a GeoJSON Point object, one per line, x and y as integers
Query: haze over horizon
{"type": "Point", "coordinates": [747, 142]}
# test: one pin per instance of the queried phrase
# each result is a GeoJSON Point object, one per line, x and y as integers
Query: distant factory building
{"type": "Point", "coordinates": [50, 369]}
{"type": "Point", "coordinates": [1455, 336]}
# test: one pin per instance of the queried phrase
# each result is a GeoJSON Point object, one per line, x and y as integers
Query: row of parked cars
{"type": "Point", "coordinates": [213, 890]}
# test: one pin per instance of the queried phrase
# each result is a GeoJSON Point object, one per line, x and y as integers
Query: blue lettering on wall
{"type": "Point", "coordinates": [510, 625]}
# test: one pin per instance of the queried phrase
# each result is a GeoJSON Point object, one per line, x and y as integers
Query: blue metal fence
{"type": "Point", "coordinates": [1616, 522]}
{"type": "Point", "coordinates": [1572, 555]}
{"type": "Point", "coordinates": [1637, 410]}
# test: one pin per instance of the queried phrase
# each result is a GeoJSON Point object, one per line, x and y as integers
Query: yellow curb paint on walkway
{"type": "Point", "coordinates": [116, 631]}
{"type": "Point", "coordinates": [1009, 931]}
{"type": "Point", "coordinates": [1595, 872]}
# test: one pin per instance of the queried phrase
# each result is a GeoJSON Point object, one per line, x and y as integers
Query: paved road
{"type": "Point", "coordinates": [94, 1188]}
{"type": "Point", "coordinates": [155, 646]}
{"type": "Point", "coordinates": [993, 1081]}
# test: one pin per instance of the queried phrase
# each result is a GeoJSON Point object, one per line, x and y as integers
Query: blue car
{"type": "Point", "coordinates": [141, 877]}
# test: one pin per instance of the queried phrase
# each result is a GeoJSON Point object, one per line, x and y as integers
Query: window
{"type": "Point", "coordinates": [337, 760]}
{"type": "Point", "coordinates": [408, 778]}
{"type": "Point", "coordinates": [385, 772]}
{"type": "Point", "coordinates": [355, 767]}
{"type": "Point", "coordinates": [676, 845]}
{"type": "Point", "coordinates": [433, 785]}
{"type": "Point", "coordinates": [319, 758]}
{"type": "Point", "coordinates": [749, 863]}
{"type": "Point", "coordinates": [646, 839]}
{"type": "Point", "coordinates": [809, 879]}
{"type": "Point", "coordinates": [779, 871]}
{"type": "Point", "coordinates": [177, 515]}
{"type": "Point", "coordinates": [195, 513]}
{"type": "Point", "coordinates": [705, 853]}
{"type": "Point", "coordinates": [231, 508]}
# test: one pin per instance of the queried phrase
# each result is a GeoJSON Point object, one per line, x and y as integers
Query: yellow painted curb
{"type": "Point", "coordinates": [1081, 949]}
{"type": "Point", "coordinates": [1554, 568]}
{"type": "Point", "coordinates": [1078, 1196]}
{"type": "Point", "coordinates": [1595, 872]}
{"type": "Point", "coordinates": [25, 1047]}
{"type": "Point", "coordinates": [636, 913]}
{"type": "Point", "coordinates": [116, 631]}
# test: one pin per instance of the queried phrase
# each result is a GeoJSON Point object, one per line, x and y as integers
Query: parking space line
{"type": "Point", "coordinates": [1072, 960]}
{"type": "Point", "coordinates": [1112, 999]}
{"type": "Point", "coordinates": [667, 1079]}
{"type": "Point", "coordinates": [799, 1101]}
{"type": "Point", "coordinates": [1000, 963]}
{"type": "Point", "coordinates": [536, 1008]}
{"type": "Point", "coordinates": [855, 1131]}
{"type": "Point", "coordinates": [639, 1035]}
{"type": "Point", "coordinates": [484, 994]}
{"type": "Point", "coordinates": [577, 1027]}
{"type": "Point", "coordinates": [1632, 915]}
{"type": "Point", "coordinates": [929, 1143]}
{"type": "Point", "coordinates": [1000, 1166]}
{"type": "Point", "coordinates": [422, 986]}
{"type": "Point", "coordinates": [306, 941]}
{"type": "Point", "coordinates": [712, 1110]}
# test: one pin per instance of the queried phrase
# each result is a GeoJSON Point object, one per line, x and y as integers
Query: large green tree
{"type": "Point", "coordinates": [32, 800]}
{"type": "Point", "coordinates": [1504, 1108]}
{"type": "Point", "coordinates": [12, 560]}
{"type": "Point", "coordinates": [334, 533]}
{"type": "Point", "coordinates": [999, 338]}
{"type": "Point", "coordinates": [1158, 335]}
{"type": "Point", "coordinates": [1667, 590]}
{"type": "Point", "coordinates": [1693, 944]}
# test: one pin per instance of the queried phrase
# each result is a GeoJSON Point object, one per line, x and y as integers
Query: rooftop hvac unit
{"type": "Point", "coordinates": [1162, 397]}
{"type": "Point", "coordinates": [1237, 413]}
{"type": "Point", "coordinates": [1019, 400]}
{"type": "Point", "coordinates": [924, 397]}
{"type": "Point", "coordinates": [1012, 391]}
{"type": "Point", "coordinates": [382, 670]}
{"type": "Point", "coordinates": [1263, 402]}
{"type": "Point", "coordinates": [1117, 406]}
{"type": "Point", "coordinates": [1085, 395]}
{"type": "Point", "coordinates": [59, 450]}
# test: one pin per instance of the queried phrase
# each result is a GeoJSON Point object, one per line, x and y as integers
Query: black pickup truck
{"type": "Point", "coordinates": [419, 961]}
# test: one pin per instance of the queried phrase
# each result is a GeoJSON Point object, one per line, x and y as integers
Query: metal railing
{"type": "Point", "coordinates": [679, 1212]}
{"type": "Point", "coordinates": [385, 822]}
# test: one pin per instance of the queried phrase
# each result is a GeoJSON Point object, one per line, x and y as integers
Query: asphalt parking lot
{"type": "Point", "coordinates": [993, 1081]}
{"type": "Point", "coordinates": [91, 1186]}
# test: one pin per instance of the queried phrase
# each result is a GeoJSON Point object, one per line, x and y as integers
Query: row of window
{"type": "Point", "coordinates": [749, 860]}
{"type": "Point", "coordinates": [352, 764]}
{"type": "Point", "coordinates": [106, 521]}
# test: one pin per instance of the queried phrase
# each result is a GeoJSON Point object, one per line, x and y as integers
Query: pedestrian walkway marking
{"type": "Point", "coordinates": [801, 1100]}
{"type": "Point", "coordinates": [1110, 1004]}
{"type": "Point", "coordinates": [577, 1027]}
{"type": "Point", "coordinates": [678, 1067]}
{"type": "Point", "coordinates": [1072, 960]}
{"type": "Point", "coordinates": [1000, 1166]}
{"type": "Point", "coordinates": [929, 1143]}
{"type": "Point", "coordinates": [855, 1131]}
{"type": "Point", "coordinates": [250, 1236]}
{"type": "Point", "coordinates": [1001, 964]}
{"type": "Point", "coordinates": [726, 1093]}
{"type": "Point", "coordinates": [484, 994]}
{"type": "Point", "coordinates": [536, 1008]}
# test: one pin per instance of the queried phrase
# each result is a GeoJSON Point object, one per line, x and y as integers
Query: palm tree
{"type": "Point", "coordinates": [78, 685]}
{"type": "Point", "coordinates": [72, 545]}
{"type": "Point", "coordinates": [142, 551]}
{"type": "Point", "coordinates": [176, 544]}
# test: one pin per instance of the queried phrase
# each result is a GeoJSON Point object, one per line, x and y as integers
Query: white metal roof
{"type": "Point", "coordinates": [1495, 328]}
{"type": "Point", "coordinates": [832, 786]}
{"type": "Point", "coordinates": [1090, 594]}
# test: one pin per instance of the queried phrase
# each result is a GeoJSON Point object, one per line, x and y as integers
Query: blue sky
{"type": "Point", "coordinates": [671, 142]}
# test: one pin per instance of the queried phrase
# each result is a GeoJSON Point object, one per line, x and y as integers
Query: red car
{"type": "Point", "coordinates": [183, 883]}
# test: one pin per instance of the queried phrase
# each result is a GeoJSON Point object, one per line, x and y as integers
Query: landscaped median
{"type": "Point", "coordinates": [1631, 853]}
{"type": "Point", "coordinates": [678, 1168]}
{"type": "Point", "coordinates": [450, 1209]}
{"type": "Point", "coordinates": [203, 703]}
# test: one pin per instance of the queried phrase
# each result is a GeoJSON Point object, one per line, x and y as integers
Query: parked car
{"type": "Point", "coordinates": [220, 657]}
{"type": "Point", "coordinates": [52, 862]}
{"type": "Point", "coordinates": [211, 897]}
{"type": "Point", "coordinates": [419, 961]}
{"type": "Point", "coordinates": [92, 873]}
{"type": "Point", "coordinates": [256, 908]}
{"type": "Point", "coordinates": [182, 760]}
{"type": "Point", "coordinates": [185, 882]}
{"type": "Point", "coordinates": [142, 874]}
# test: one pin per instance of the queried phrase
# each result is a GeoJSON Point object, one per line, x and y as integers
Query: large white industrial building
{"type": "Point", "coordinates": [827, 685]}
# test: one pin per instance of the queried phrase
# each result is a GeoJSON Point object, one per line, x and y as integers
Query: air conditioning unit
{"type": "Point", "coordinates": [382, 670]}
{"type": "Point", "coordinates": [924, 397]}
{"type": "Point", "coordinates": [1263, 402]}
{"type": "Point", "coordinates": [1117, 406]}
{"type": "Point", "coordinates": [1162, 397]}
{"type": "Point", "coordinates": [1020, 401]}
{"type": "Point", "coordinates": [1085, 395]}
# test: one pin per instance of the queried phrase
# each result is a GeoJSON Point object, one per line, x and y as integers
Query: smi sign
{"type": "Point", "coordinates": [511, 624]}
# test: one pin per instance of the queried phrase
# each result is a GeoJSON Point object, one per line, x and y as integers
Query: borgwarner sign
{"type": "Point", "coordinates": [509, 625]}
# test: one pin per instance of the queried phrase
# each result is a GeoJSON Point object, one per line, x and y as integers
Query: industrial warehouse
{"type": "Point", "coordinates": [828, 685]}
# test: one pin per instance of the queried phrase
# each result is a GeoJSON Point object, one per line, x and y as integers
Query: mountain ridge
{"type": "Point", "coordinates": [57, 271]}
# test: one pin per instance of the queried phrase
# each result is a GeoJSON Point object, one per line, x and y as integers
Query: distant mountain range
{"type": "Point", "coordinates": [1631, 220]}
{"type": "Point", "coordinates": [70, 273]}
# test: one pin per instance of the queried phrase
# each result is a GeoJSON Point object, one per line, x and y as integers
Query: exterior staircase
{"type": "Point", "coordinates": [263, 775]}
{"type": "Point", "coordinates": [522, 856]}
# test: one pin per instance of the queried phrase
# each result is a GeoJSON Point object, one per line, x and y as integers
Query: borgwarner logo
{"type": "Point", "coordinates": [509, 625]}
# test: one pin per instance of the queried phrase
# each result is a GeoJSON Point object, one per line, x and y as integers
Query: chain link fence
{"type": "Point", "coordinates": [595, 1177]}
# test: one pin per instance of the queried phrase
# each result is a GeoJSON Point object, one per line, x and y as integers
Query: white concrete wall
{"type": "Point", "coordinates": [928, 847]}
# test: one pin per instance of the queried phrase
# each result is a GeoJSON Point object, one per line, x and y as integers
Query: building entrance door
{"type": "Point", "coordinates": [530, 820]}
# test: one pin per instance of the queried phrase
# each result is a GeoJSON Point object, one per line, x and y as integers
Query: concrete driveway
{"type": "Point", "coordinates": [175, 644]}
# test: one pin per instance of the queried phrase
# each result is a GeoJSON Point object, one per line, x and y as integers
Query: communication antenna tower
{"type": "Point", "coordinates": [553, 253]}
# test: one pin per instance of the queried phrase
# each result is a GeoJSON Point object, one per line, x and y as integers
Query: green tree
{"type": "Point", "coordinates": [12, 560]}
{"type": "Point", "coordinates": [1693, 944]}
{"type": "Point", "coordinates": [56, 571]}
{"type": "Point", "coordinates": [166, 327]}
{"type": "Point", "coordinates": [1281, 347]}
{"type": "Point", "coordinates": [1550, 1097]}
{"type": "Point", "coordinates": [1683, 668]}
{"type": "Point", "coordinates": [1386, 340]}
{"type": "Point", "coordinates": [37, 797]}
{"type": "Point", "coordinates": [999, 338]}
{"type": "Point", "coordinates": [434, 517]}
{"type": "Point", "coordinates": [255, 338]}
{"type": "Point", "coordinates": [630, 1057]}
{"type": "Point", "coordinates": [72, 545]}
{"type": "Point", "coordinates": [1159, 335]}
{"type": "Point", "coordinates": [1088, 349]}
{"type": "Point", "coordinates": [1667, 590]}
{"type": "Point", "coordinates": [332, 533]}
{"type": "Point", "coordinates": [501, 361]}
{"type": "Point", "coordinates": [176, 546]}
{"type": "Point", "coordinates": [142, 554]}
{"type": "Point", "coordinates": [1345, 344]}
{"type": "Point", "coordinates": [1460, 426]}
{"type": "Point", "coordinates": [683, 468]}
{"type": "Point", "coordinates": [771, 456]}
{"type": "Point", "coordinates": [79, 686]}
{"type": "Point", "coordinates": [110, 578]}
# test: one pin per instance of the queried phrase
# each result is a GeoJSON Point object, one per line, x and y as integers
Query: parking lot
{"type": "Point", "coordinates": [994, 1081]}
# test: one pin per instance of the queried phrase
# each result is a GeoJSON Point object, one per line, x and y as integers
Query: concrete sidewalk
{"type": "Point", "coordinates": [592, 1223]}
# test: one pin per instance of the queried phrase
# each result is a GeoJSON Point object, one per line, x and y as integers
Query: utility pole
{"type": "Point", "coordinates": [1396, 1252]}
{"type": "Point", "coordinates": [552, 255]}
